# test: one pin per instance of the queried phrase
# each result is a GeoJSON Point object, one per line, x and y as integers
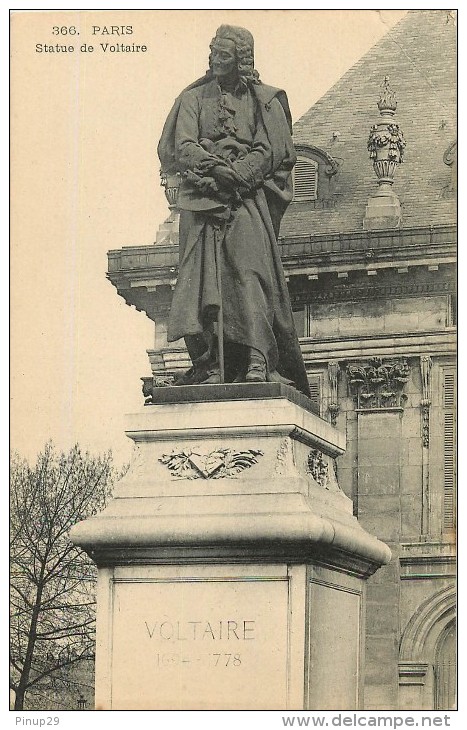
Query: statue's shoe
{"type": "Point", "coordinates": [256, 372]}
{"type": "Point", "coordinates": [194, 376]}
{"type": "Point", "coordinates": [213, 377]}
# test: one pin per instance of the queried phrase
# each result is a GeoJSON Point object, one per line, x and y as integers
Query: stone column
{"type": "Point", "coordinates": [231, 569]}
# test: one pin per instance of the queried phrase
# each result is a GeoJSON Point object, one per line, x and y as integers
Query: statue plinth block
{"type": "Point", "coordinates": [231, 569]}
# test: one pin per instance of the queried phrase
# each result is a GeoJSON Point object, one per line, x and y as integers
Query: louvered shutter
{"type": "Point", "coordinates": [305, 179]}
{"type": "Point", "coordinates": [315, 392]}
{"type": "Point", "coordinates": [451, 320]}
{"type": "Point", "coordinates": [449, 435]}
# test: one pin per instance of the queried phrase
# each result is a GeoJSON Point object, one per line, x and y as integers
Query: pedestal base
{"type": "Point", "coordinates": [381, 212]}
{"type": "Point", "coordinates": [230, 637]}
{"type": "Point", "coordinates": [231, 570]}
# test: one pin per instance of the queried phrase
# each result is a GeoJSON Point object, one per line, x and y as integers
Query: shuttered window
{"type": "Point", "coordinates": [449, 435]}
{"type": "Point", "coordinates": [305, 179]}
{"type": "Point", "coordinates": [315, 392]}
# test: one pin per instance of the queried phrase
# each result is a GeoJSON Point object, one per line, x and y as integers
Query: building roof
{"type": "Point", "coordinates": [419, 57]}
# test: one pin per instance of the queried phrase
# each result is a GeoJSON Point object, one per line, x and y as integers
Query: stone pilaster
{"type": "Point", "coordinates": [378, 388]}
{"type": "Point", "coordinates": [425, 369]}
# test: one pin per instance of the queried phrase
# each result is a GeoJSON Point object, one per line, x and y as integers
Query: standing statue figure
{"type": "Point", "coordinates": [228, 135]}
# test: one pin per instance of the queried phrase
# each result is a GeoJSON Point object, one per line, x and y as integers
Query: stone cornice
{"type": "Point", "coordinates": [428, 567]}
{"type": "Point", "coordinates": [368, 250]}
{"type": "Point", "coordinates": [413, 673]}
{"type": "Point", "coordinates": [414, 244]}
{"type": "Point", "coordinates": [290, 509]}
{"type": "Point", "coordinates": [426, 560]}
{"type": "Point", "coordinates": [146, 275]}
{"type": "Point", "coordinates": [391, 237]}
{"type": "Point", "coordinates": [361, 291]}
{"type": "Point", "coordinates": [404, 344]}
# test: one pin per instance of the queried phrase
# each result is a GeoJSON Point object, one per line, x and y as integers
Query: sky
{"type": "Point", "coordinates": [85, 179]}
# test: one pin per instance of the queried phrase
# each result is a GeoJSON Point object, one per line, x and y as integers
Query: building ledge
{"type": "Point", "coordinates": [402, 344]}
{"type": "Point", "coordinates": [426, 560]}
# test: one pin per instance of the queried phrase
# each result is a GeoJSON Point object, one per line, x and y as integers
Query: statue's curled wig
{"type": "Point", "coordinates": [244, 47]}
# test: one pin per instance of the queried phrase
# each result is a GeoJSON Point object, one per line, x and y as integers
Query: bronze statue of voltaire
{"type": "Point", "coordinates": [229, 137]}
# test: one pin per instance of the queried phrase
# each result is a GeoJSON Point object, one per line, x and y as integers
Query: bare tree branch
{"type": "Point", "coordinates": [52, 623]}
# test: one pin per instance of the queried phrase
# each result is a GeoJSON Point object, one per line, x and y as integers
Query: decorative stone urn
{"type": "Point", "coordinates": [386, 147]}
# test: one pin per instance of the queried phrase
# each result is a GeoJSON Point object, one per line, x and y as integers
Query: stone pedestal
{"type": "Point", "coordinates": [382, 211]}
{"type": "Point", "coordinates": [231, 570]}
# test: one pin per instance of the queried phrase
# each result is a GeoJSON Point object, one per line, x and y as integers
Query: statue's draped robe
{"type": "Point", "coordinates": [248, 130]}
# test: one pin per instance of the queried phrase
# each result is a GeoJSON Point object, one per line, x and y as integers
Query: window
{"type": "Point", "coordinates": [449, 448]}
{"type": "Point", "coordinates": [305, 179]}
{"type": "Point", "coordinates": [314, 177]}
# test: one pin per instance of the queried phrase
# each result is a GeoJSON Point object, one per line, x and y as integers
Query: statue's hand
{"type": "Point", "coordinates": [207, 185]}
{"type": "Point", "coordinates": [224, 176]}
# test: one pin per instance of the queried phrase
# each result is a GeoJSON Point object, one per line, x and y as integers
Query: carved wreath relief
{"type": "Point", "coordinates": [218, 464]}
{"type": "Point", "coordinates": [318, 468]}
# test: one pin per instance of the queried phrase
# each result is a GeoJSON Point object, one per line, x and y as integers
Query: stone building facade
{"type": "Point", "coordinates": [371, 271]}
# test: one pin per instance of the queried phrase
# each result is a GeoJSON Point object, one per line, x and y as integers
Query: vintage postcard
{"type": "Point", "coordinates": [233, 266]}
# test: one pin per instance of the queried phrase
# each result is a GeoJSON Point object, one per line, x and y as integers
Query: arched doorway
{"type": "Point", "coordinates": [445, 669]}
{"type": "Point", "coordinates": [427, 660]}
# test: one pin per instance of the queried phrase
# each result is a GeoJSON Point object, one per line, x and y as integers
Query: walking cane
{"type": "Point", "coordinates": [220, 315]}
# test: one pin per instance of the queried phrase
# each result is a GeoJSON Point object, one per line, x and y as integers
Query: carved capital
{"type": "Point", "coordinates": [378, 384]}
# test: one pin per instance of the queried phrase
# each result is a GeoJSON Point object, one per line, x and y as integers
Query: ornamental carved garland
{"type": "Point", "coordinates": [282, 456]}
{"type": "Point", "coordinates": [333, 374]}
{"type": "Point", "coordinates": [219, 464]}
{"type": "Point", "coordinates": [378, 384]}
{"type": "Point", "coordinates": [425, 369]}
{"type": "Point", "coordinates": [386, 137]}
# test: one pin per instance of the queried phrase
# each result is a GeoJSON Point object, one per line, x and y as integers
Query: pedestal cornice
{"type": "Point", "coordinates": [234, 480]}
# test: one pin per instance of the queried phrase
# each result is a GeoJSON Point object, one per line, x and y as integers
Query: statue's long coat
{"type": "Point", "coordinates": [256, 306]}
